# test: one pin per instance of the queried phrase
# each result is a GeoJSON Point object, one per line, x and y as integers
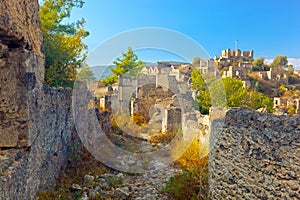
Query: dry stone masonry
{"type": "Point", "coordinates": [254, 156]}
{"type": "Point", "coordinates": [35, 121]}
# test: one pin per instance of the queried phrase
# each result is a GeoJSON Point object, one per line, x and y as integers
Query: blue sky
{"type": "Point", "coordinates": [270, 27]}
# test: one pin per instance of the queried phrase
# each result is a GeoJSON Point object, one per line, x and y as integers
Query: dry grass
{"type": "Point", "coordinates": [81, 162]}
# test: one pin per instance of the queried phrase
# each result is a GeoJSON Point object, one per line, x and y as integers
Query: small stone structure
{"type": "Point", "coordinates": [278, 75]}
{"type": "Point", "coordinates": [207, 66]}
{"type": "Point", "coordinates": [284, 103]}
{"type": "Point", "coordinates": [172, 120]}
{"type": "Point", "coordinates": [254, 156]}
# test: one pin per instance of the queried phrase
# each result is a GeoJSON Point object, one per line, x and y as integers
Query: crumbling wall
{"type": "Point", "coordinates": [254, 156]}
{"type": "Point", "coordinates": [20, 25]}
{"type": "Point", "coordinates": [36, 125]}
{"type": "Point", "coordinates": [26, 170]}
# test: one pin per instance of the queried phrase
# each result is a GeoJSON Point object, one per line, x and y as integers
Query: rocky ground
{"type": "Point", "coordinates": [117, 185]}
{"type": "Point", "coordinates": [125, 186]}
{"type": "Point", "coordinates": [86, 178]}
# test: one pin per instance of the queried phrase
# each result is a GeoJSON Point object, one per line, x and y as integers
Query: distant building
{"type": "Point", "coordinates": [283, 103]}
{"type": "Point", "coordinates": [228, 57]}
{"type": "Point", "coordinates": [207, 66]}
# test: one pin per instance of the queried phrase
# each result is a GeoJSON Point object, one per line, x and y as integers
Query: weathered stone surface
{"type": "Point", "coordinates": [172, 120]}
{"type": "Point", "coordinates": [21, 76]}
{"type": "Point", "coordinates": [27, 170]}
{"type": "Point", "coordinates": [20, 25]}
{"type": "Point", "coordinates": [255, 156]}
{"type": "Point", "coordinates": [22, 69]}
{"type": "Point", "coordinates": [36, 125]}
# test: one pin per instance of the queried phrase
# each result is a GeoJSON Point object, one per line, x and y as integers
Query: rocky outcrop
{"type": "Point", "coordinates": [254, 156]}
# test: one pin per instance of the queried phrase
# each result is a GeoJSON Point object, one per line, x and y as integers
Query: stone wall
{"type": "Point", "coordinates": [26, 170]}
{"type": "Point", "coordinates": [36, 125]}
{"type": "Point", "coordinates": [20, 25]}
{"type": "Point", "coordinates": [254, 156]}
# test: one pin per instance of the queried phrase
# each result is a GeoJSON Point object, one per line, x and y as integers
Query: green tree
{"type": "Point", "coordinates": [64, 48]}
{"type": "Point", "coordinates": [196, 61]}
{"type": "Point", "coordinates": [86, 74]}
{"type": "Point", "coordinates": [227, 92]}
{"type": "Point", "coordinates": [128, 64]}
{"type": "Point", "coordinates": [259, 64]}
{"type": "Point", "coordinates": [258, 100]}
{"type": "Point", "coordinates": [198, 80]}
{"type": "Point", "coordinates": [290, 69]}
{"type": "Point", "coordinates": [235, 92]}
{"type": "Point", "coordinates": [203, 97]}
{"type": "Point", "coordinates": [279, 61]}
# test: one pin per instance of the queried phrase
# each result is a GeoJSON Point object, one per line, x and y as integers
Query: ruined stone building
{"type": "Point", "coordinates": [281, 104]}
{"type": "Point", "coordinates": [235, 64]}
{"type": "Point", "coordinates": [207, 66]}
{"type": "Point", "coordinates": [161, 94]}
{"type": "Point", "coordinates": [228, 57]}
{"type": "Point", "coordinates": [278, 76]}
{"type": "Point", "coordinates": [172, 70]}
{"type": "Point", "coordinates": [240, 72]}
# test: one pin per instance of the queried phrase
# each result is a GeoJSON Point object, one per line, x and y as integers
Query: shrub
{"type": "Point", "coordinates": [113, 182]}
{"type": "Point", "coordinates": [138, 119]}
{"type": "Point", "coordinates": [163, 137]}
{"type": "Point", "coordinates": [291, 110]}
{"type": "Point", "coordinates": [192, 183]}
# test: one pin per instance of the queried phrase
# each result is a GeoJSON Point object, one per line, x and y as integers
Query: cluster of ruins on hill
{"type": "Point", "coordinates": [164, 82]}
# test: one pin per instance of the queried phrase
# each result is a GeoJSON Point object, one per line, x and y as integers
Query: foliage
{"type": "Point", "coordinates": [128, 64]}
{"type": "Point", "coordinates": [64, 48]}
{"type": "Point", "coordinates": [283, 88]}
{"type": "Point", "coordinates": [189, 184]}
{"type": "Point", "coordinates": [259, 64]}
{"type": "Point", "coordinates": [258, 100]}
{"type": "Point", "coordinates": [227, 92]}
{"type": "Point", "coordinates": [122, 123]}
{"type": "Point", "coordinates": [190, 158]}
{"type": "Point", "coordinates": [196, 61]}
{"type": "Point", "coordinates": [138, 119]}
{"type": "Point", "coordinates": [86, 75]}
{"type": "Point", "coordinates": [198, 80]}
{"type": "Point", "coordinates": [192, 183]}
{"type": "Point", "coordinates": [235, 92]}
{"type": "Point", "coordinates": [113, 182]}
{"type": "Point", "coordinates": [291, 110]}
{"type": "Point", "coordinates": [161, 137]}
{"type": "Point", "coordinates": [203, 97]}
{"type": "Point", "coordinates": [80, 163]}
{"type": "Point", "coordinates": [204, 101]}
{"type": "Point", "coordinates": [290, 69]}
{"type": "Point", "coordinates": [279, 61]}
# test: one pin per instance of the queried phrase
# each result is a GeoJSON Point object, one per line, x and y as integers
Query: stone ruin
{"type": "Point", "coordinates": [159, 98]}
{"type": "Point", "coordinates": [254, 156]}
{"type": "Point", "coordinates": [36, 125]}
